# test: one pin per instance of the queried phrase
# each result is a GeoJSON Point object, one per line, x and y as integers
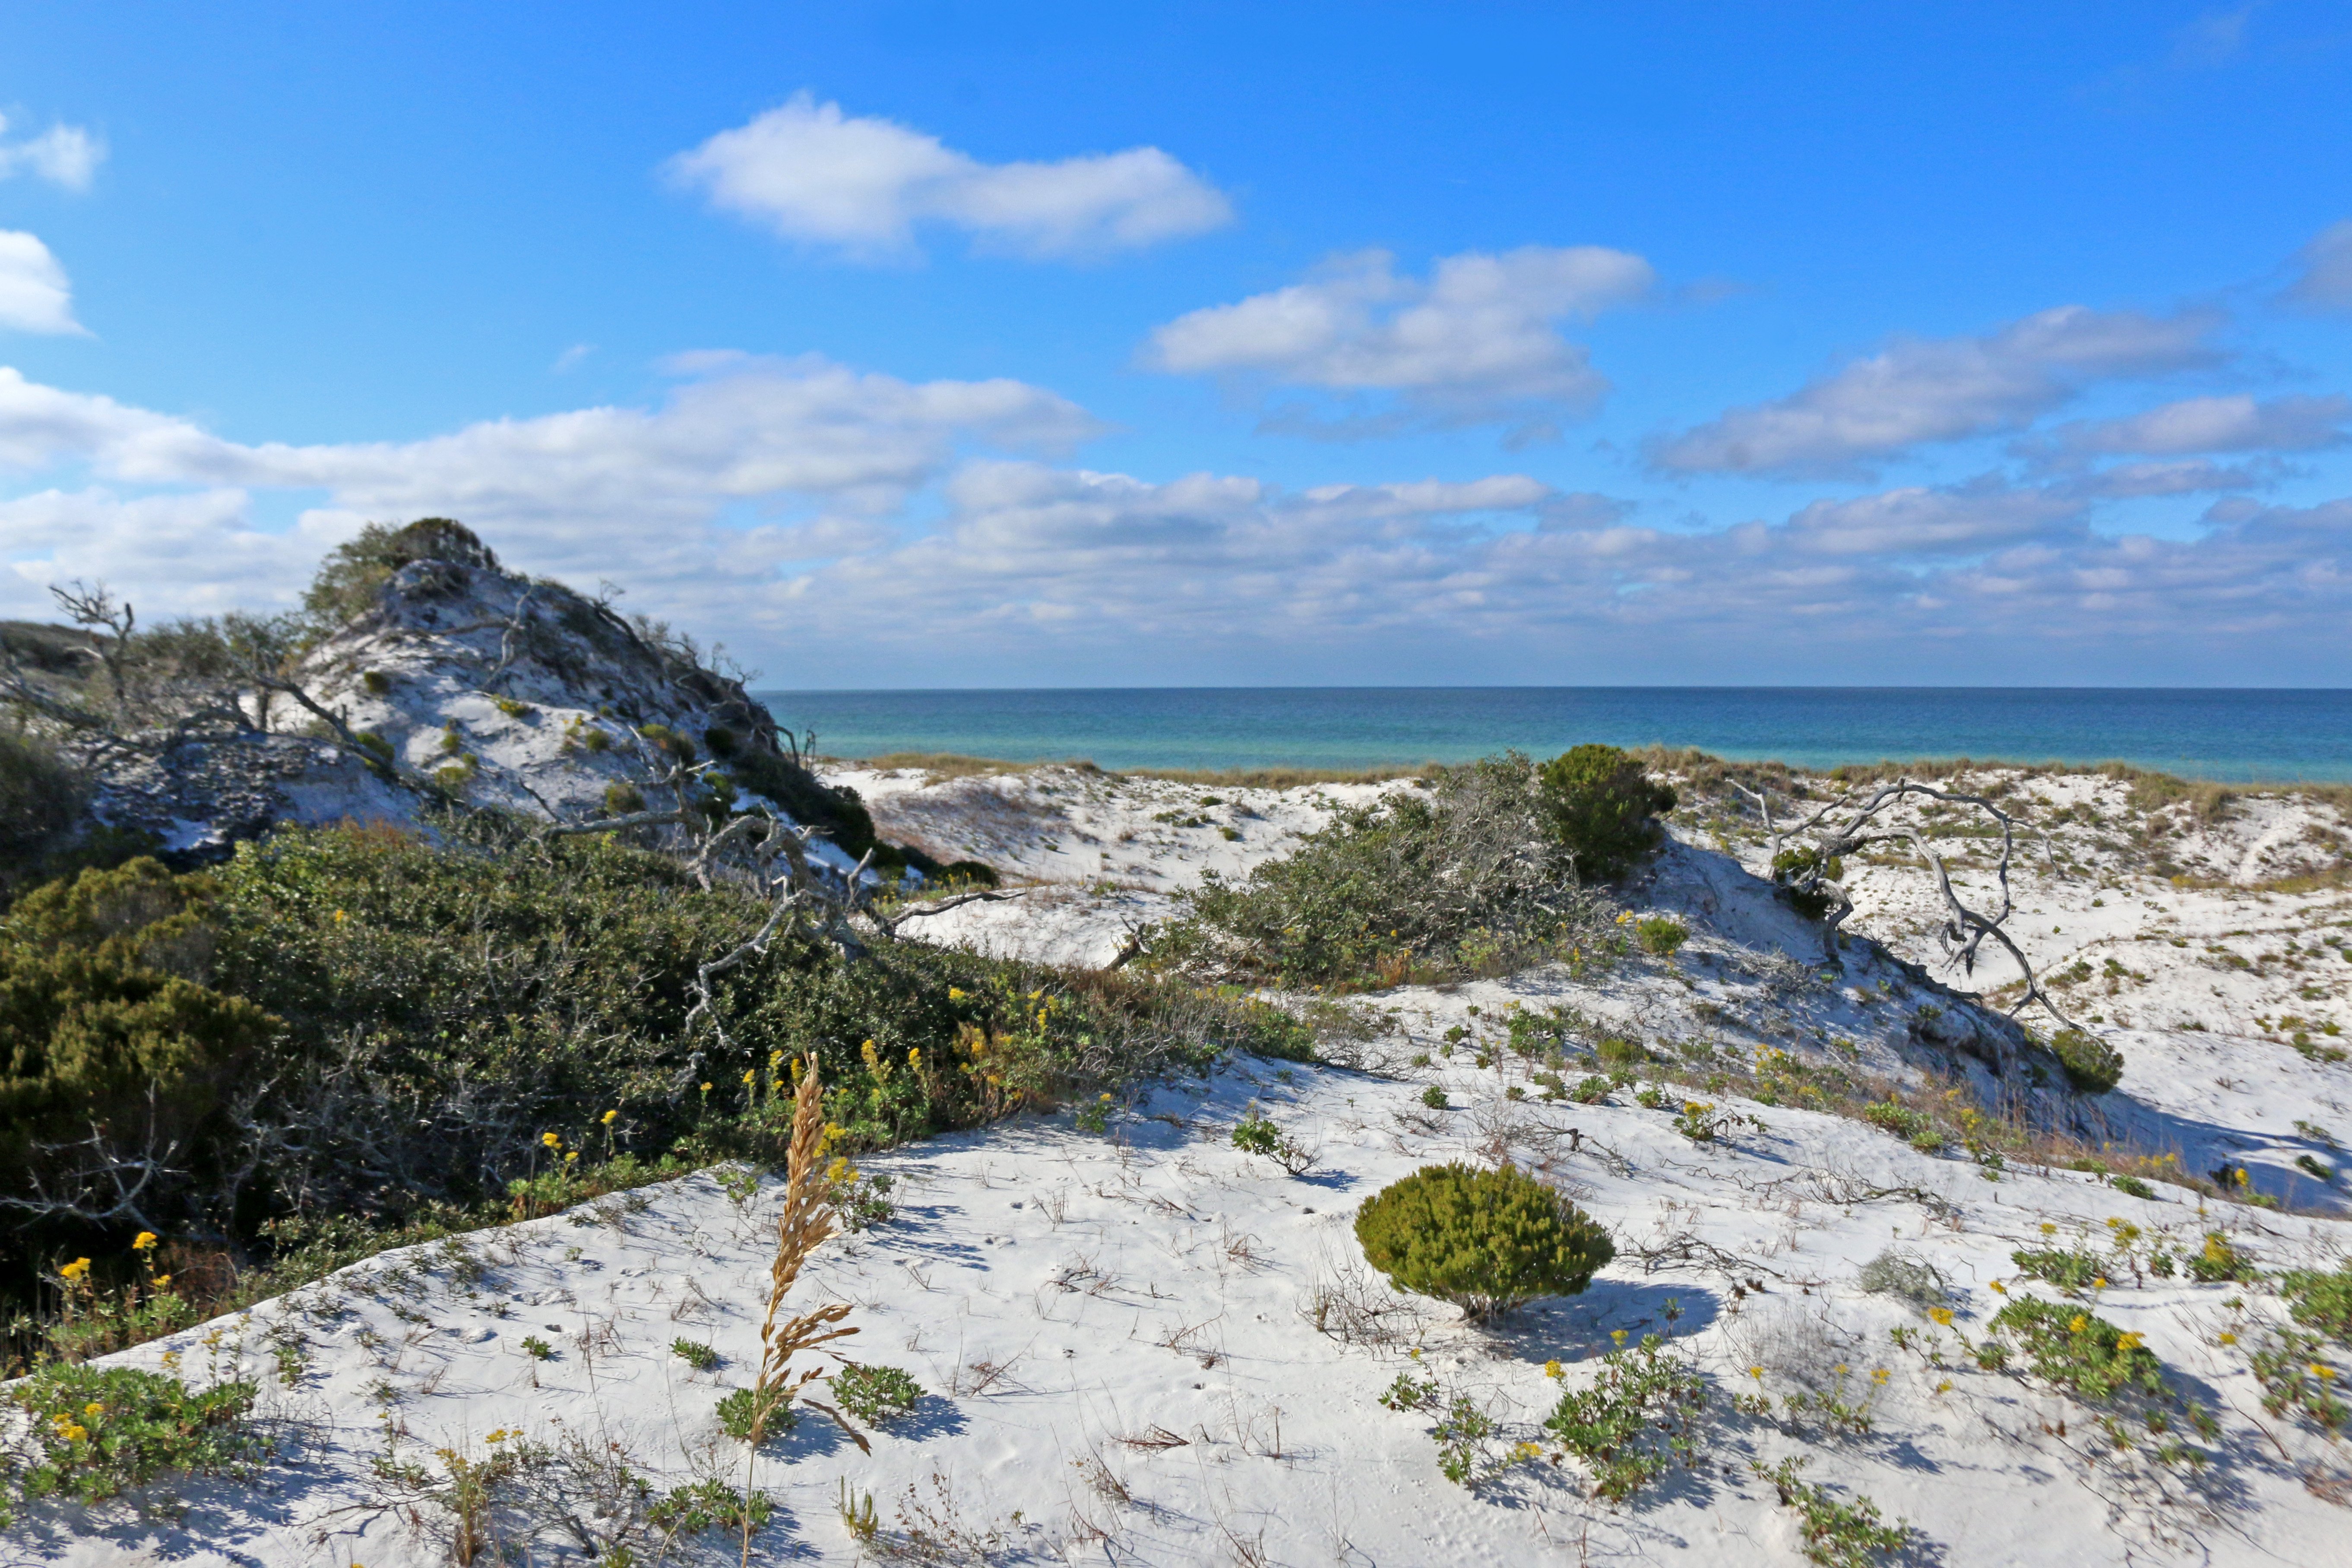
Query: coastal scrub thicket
{"type": "Point", "coordinates": [1484, 868]}
{"type": "Point", "coordinates": [363, 1022]}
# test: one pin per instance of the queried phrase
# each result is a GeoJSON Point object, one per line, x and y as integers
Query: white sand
{"type": "Point", "coordinates": [1061, 1293]}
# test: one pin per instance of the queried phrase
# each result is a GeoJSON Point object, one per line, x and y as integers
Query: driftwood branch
{"type": "Point", "coordinates": [1852, 823]}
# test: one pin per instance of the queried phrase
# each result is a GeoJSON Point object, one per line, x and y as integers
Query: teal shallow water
{"type": "Point", "coordinates": [2233, 735]}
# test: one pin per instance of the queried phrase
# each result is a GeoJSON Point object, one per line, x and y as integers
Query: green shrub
{"type": "Point", "coordinates": [694, 1353]}
{"type": "Point", "coordinates": [1892, 1116]}
{"type": "Point", "coordinates": [1589, 1090]}
{"type": "Point", "coordinates": [742, 1406]}
{"type": "Point", "coordinates": [1458, 878]}
{"type": "Point", "coordinates": [99, 1025]}
{"type": "Point", "coordinates": [1799, 871]}
{"type": "Point", "coordinates": [42, 796]}
{"type": "Point", "coordinates": [2218, 1261]}
{"type": "Point", "coordinates": [1434, 1097]}
{"type": "Point", "coordinates": [1602, 807]}
{"type": "Point", "coordinates": [354, 572]}
{"type": "Point", "coordinates": [2067, 1269]}
{"type": "Point", "coordinates": [1637, 1421]}
{"type": "Point", "coordinates": [1659, 935]}
{"type": "Point", "coordinates": [2087, 1355]}
{"type": "Point", "coordinates": [1615, 1052]}
{"type": "Point", "coordinates": [2093, 1066]}
{"type": "Point", "coordinates": [95, 1432]}
{"type": "Point", "coordinates": [876, 1393]}
{"type": "Point", "coordinates": [622, 799]}
{"type": "Point", "coordinates": [2320, 1301]}
{"type": "Point", "coordinates": [1487, 1241]}
{"type": "Point", "coordinates": [1836, 1534]}
{"type": "Point", "coordinates": [2132, 1186]}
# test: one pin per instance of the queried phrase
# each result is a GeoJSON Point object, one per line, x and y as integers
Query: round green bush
{"type": "Point", "coordinates": [1602, 804]}
{"type": "Point", "coordinates": [2093, 1066]}
{"type": "Point", "coordinates": [1487, 1241]}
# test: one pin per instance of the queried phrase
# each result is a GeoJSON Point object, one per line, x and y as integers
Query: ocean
{"type": "Point", "coordinates": [2228, 735]}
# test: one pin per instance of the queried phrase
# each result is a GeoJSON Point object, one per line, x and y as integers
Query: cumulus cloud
{"type": "Point", "coordinates": [2323, 279]}
{"type": "Point", "coordinates": [1477, 340]}
{"type": "Point", "coordinates": [1920, 520]}
{"type": "Point", "coordinates": [2231, 424]}
{"type": "Point", "coordinates": [1917, 391]}
{"type": "Point", "coordinates": [844, 528]}
{"type": "Point", "coordinates": [64, 155]}
{"type": "Point", "coordinates": [33, 294]}
{"type": "Point", "coordinates": [864, 184]}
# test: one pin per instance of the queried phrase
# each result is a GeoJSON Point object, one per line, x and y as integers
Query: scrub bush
{"type": "Point", "coordinates": [1659, 935]}
{"type": "Point", "coordinates": [1601, 806]}
{"type": "Point", "coordinates": [1637, 1421]}
{"type": "Point", "coordinates": [876, 1393]}
{"type": "Point", "coordinates": [1487, 1241]}
{"type": "Point", "coordinates": [95, 1432]}
{"type": "Point", "coordinates": [2093, 1066]}
{"type": "Point", "coordinates": [1464, 877]}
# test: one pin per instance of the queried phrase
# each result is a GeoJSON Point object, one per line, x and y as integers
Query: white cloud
{"type": "Point", "coordinates": [1917, 521]}
{"type": "Point", "coordinates": [1477, 341]}
{"type": "Point", "coordinates": [33, 294]}
{"type": "Point", "coordinates": [864, 184]}
{"type": "Point", "coordinates": [2326, 281]}
{"type": "Point", "coordinates": [64, 155]}
{"type": "Point", "coordinates": [842, 527]}
{"type": "Point", "coordinates": [1917, 391]}
{"type": "Point", "coordinates": [2231, 424]}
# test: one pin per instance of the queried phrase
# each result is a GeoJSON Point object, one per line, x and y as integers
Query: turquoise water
{"type": "Point", "coordinates": [2233, 735]}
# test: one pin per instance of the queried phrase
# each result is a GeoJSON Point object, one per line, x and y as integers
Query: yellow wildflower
{"type": "Point", "coordinates": [75, 1434]}
{"type": "Point", "coordinates": [161, 1280]}
{"type": "Point", "coordinates": [2099, 1282]}
{"type": "Point", "coordinates": [553, 1140]}
{"type": "Point", "coordinates": [706, 1088]}
{"type": "Point", "coordinates": [75, 1272]}
{"type": "Point", "coordinates": [954, 995]}
{"type": "Point", "coordinates": [1944, 1386]}
{"type": "Point", "coordinates": [2322, 1372]}
{"type": "Point", "coordinates": [1878, 1377]}
{"type": "Point", "coordinates": [2228, 1338]}
{"type": "Point", "coordinates": [609, 1116]}
{"type": "Point", "coordinates": [2127, 1342]}
{"type": "Point", "coordinates": [2049, 1229]}
{"type": "Point", "coordinates": [93, 1410]}
{"type": "Point", "coordinates": [1998, 1289]}
{"type": "Point", "coordinates": [1756, 1372]}
{"type": "Point", "coordinates": [1553, 1369]}
{"type": "Point", "coordinates": [750, 1074]}
{"type": "Point", "coordinates": [145, 1240]}
{"type": "Point", "coordinates": [1940, 1316]}
{"type": "Point", "coordinates": [571, 1154]}
{"type": "Point", "coordinates": [1617, 1335]}
{"type": "Point", "coordinates": [2081, 1325]}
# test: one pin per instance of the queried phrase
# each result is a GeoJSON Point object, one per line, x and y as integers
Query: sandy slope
{"type": "Point", "coordinates": [1117, 1330]}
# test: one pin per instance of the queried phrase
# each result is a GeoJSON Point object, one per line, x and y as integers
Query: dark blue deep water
{"type": "Point", "coordinates": [2199, 733]}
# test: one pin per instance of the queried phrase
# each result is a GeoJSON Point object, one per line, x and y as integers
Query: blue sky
{"type": "Point", "coordinates": [949, 344]}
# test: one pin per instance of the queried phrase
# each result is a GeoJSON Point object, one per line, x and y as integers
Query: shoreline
{"type": "Point", "coordinates": [1282, 774]}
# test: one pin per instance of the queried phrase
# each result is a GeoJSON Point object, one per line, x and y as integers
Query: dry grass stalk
{"type": "Point", "coordinates": [805, 1225]}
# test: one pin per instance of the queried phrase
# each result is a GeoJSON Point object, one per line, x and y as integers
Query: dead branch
{"type": "Point", "coordinates": [1846, 825]}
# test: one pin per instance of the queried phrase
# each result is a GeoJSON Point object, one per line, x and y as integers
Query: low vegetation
{"type": "Point", "coordinates": [1487, 1241]}
{"type": "Point", "coordinates": [1484, 868]}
